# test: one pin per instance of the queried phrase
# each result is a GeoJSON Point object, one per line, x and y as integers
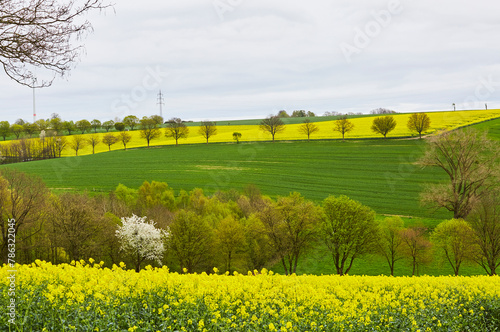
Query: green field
{"type": "Point", "coordinates": [379, 173]}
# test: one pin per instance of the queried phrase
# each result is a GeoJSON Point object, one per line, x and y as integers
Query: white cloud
{"type": "Point", "coordinates": [264, 56]}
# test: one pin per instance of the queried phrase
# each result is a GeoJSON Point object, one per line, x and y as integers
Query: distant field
{"type": "Point", "coordinates": [378, 173]}
{"type": "Point", "coordinates": [251, 133]}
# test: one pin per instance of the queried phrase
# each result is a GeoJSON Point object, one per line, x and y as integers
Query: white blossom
{"type": "Point", "coordinates": [142, 238]}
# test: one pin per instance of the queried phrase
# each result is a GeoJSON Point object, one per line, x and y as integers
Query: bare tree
{"type": "Point", "coordinates": [22, 201]}
{"type": "Point", "coordinates": [419, 122]}
{"type": "Point", "coordinates": [470, 160]}
{"type": "Point", "coordinates": [485, 221]}
{"type": "Point", "coordinates": [109, 139]}
{"type": "Point", "coordinates": [78, 143]}
{"type": "Point", "coordinates": [176, 129]}
{"type": "Point", "coordinates": [207, 129]}
{"type": "Point", "coordinates": [343, 125]}
{"type": "Point", "coordinates": [272, 125]}
{"type": "Point", "coordinates": [308, 128]}
{"type": "Point", "coordinates": [416, 247]}
{"type": "Point", "coordinates": [124, 137]}
{"type": "Point", "coordinates": [39, 34]}
{"type": "Point", "coordinates": [93, 140]}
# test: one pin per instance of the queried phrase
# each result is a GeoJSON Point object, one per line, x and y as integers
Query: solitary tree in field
{"type": "Point", "coordinates": [343, 125]}
{"type": "Point", "coordinates": [77, 143]}
{"type": "Point", "coordinates": [272, 125]}
{"type": "Point", "coordinates": [141, 239]}
{"type": "Point", "coordinates": [207, 129]}
{"type": "Point", "coordinates": [176, 129]}
{"type": "Point", "coordinates": [383, 125]}
{"type": "Point", "coordinates": [109, 139]}
{"type": "Point", "coordinates": [40, 34]}
{"type": "Point", "coordinates": [349, 231]}
{"type": "Point", "coordinates": [93, 140]}
{"type": "Point", "coordinates": [454, 239]}
{"type": "Point", "coordinates": [308, 128]}
{"type": "Point", "coordinates": [236, 137]}
{"type": "Point", "coordinates": [419, 122]}
{"type": "Point", "coordinates": [471, 163]}
{"type": "Point", "coordinates": [149, 129]}
{"type": "Point", "coordinates": [124, 137]}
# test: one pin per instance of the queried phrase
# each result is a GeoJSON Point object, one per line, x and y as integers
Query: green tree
{"type": "Point", "coordinates": [419, 122]}
{"type": "Point", "coordinates": [299, 114]}
{"type": "Point", "coordinates": [343, 125]}
{"type": "Point", "coordinates": [454, 239]}
{"type": "Point", "coordinates": [96, 124]}
{"type": "Point", "coordinates": [471, 163]}
{"type": "Point", "coordinates": [230, 240]}
{"type": "Point", "coordinates": [56, 124]}
{"type": "Point", "coordinates": [191, 241]}
{"type": "Point", "coordinates": [155, 193]}
{"type": "Point", "coordinates": [383, 125]}
{"type": "Point", "coordinates": [4, 129]}
{"type": "Point", "coordinates": [291, 224]}
{"type": "Point", "coordinates": [349, 231]}
{"type": "Point", "coordinates": [390, 243]}
{"type": "Point", "coordinates": [131, 121]}
{"type": "Point", "coordinates": [149, 129]}
{"type": "Point", "coordinates": [158, 119]}
{"type": "Point", "coordinates": [17, 130]}
{"type": "Point", "coordinates": [93, 140]}
{"type": "Point", "coordinates": [108, 125]}
{"type": "Point", "coordinates": [69, 126]}
{"type": "Point", "coordinates": [30, 128]}
{"type": "Point", "coordinates": [308, 128]}
{"type": "Point", "coordinates": [83, 126]}
{"type": "Point", "coordinates": [109, 139]}
{"type": "Point", "coordinates": [119, 126]}
{"type": "Point", "coordinates": [42, 124]}
{"type": "Point", "coordinates": [176, 129]}
{"type": "Point", "coordinates": [236, 137]}
{"type": "Point", "coordinates": [124, 137]}
{"type": "Point", "coordinates": [207, 129]}
{"type": "Point", "coordinates": [272, 125]}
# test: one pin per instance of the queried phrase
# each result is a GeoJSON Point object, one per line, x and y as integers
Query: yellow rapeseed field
{"type": "Point", "coordinates": [87, 297]}
{"type": "Point", "coordinates": [251, 133]}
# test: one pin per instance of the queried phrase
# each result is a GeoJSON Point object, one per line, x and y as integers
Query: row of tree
{"type": "Point", "coordinates": [232, 231]}
{"type": "Point", "coordinates": [417, 122]}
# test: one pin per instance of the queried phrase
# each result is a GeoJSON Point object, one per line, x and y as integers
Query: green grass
{"type": "Point", "coordinates": [379, 173]}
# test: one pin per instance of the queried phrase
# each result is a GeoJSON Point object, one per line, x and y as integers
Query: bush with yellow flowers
{"type": "Point", "coordinates": [84, 296]}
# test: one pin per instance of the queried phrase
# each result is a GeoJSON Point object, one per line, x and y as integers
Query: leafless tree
{"type": "Point", "coordinates": [471, 162]}
{"type": "Point", "coordinates": [308, 128]}
{"type": "Point", "coordinates": [207, 129]}
{"type": "Point", "coordinates": [176, 129]}
{"type": "Point", "coordinates": [42, 34]}
{"type": "Point", "coordinates": [272, 125]}
{"type": "Point", "coordinates": [343, 125]}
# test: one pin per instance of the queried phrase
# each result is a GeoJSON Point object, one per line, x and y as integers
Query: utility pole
{"type": "Point", "coordinates": [160, 102]}
{"type": "Point", "coordinates": [34, 109]}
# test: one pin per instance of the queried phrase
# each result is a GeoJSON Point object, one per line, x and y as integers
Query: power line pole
{"type": "Point", "coordinates": [160, 102]}
{"type": "Point", "coordinates": [34, 109]}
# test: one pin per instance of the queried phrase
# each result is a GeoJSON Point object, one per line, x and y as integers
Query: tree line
{"type": "Point", "coordinates": [233, 231]}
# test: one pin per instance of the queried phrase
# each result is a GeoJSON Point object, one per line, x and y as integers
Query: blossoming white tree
{"type": "Point", "coordinates": [141, 239]}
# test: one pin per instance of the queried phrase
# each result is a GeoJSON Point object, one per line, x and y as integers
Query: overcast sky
{"type": "Point", "coordinates": [229, 59]}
